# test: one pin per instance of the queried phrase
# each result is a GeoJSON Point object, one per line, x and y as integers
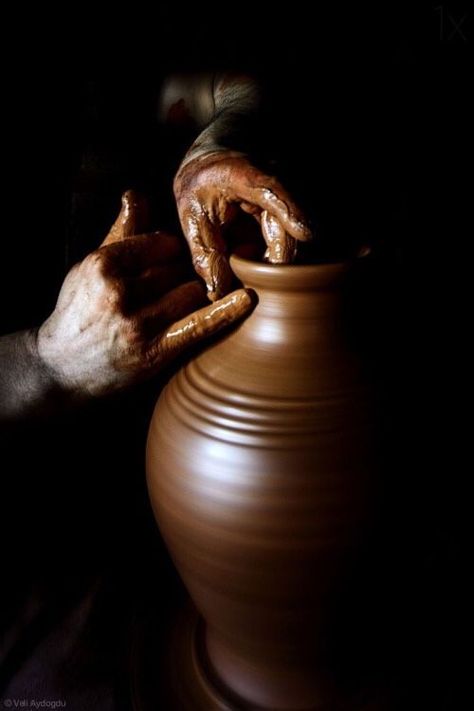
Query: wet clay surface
{"type": "Point", "coordinates": [262, 473]}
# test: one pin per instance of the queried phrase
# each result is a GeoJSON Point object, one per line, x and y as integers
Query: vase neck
{"type": "Point", "coordinates": [284, 291]}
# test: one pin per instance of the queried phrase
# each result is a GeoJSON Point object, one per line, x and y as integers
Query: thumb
{"type": "Point", "coordinates": [132, 219]}
{"type": "Point", "coordinates": [204, 323]}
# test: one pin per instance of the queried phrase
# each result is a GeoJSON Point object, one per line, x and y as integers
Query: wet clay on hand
{"type": "Point", "coordinates": [129, 308]}
{"type": "Point", "coordinates": [210, 189]}
{"type": "Point", "coordinates": [133, 218]}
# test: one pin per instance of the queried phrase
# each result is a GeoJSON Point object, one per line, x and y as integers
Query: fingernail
{"type": "Point", "coordinates": [131, 197]}
{"type": "Point", "coordinates": [128, 201]}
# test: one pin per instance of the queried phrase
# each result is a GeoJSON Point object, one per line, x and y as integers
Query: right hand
{"type": "Point", "coordinates": [127, 310]}
{"type": "Point", "coordinates": [209, 189]}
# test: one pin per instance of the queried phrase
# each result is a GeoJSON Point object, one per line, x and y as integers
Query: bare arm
{"type": "Point", "coordinates": [225, 107]}
{"type": "Point", "coordinates": [27, 387]}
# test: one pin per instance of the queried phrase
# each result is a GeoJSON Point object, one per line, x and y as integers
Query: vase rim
{"type": "Point", "coordinates": [289, 276]}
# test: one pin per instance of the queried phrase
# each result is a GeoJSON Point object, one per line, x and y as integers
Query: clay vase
{"type": "Point", "coordinates": [261, 470]}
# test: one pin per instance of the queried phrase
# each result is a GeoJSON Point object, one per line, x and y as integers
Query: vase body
{"type": "Point", "coordinates": [261, 471]}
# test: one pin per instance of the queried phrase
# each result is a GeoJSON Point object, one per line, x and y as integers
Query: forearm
{"type": "Point", "coordinates": [27, 389]}
{"type": "Point", "coordinates": [235, 120]}
{"type": "Point", "coordinates": [224, 107]}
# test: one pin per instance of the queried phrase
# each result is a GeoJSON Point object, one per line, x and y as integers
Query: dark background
{"type": "Point", "coordinates": [368, 122]}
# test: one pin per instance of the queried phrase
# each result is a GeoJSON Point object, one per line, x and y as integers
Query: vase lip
{"type": "Point", "coordinates": [289, 277]}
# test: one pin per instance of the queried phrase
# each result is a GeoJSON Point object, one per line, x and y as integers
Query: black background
{"type": "Point", "coordinates": [370, 124]}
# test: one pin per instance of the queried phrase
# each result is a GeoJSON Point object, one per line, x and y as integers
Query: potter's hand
{"type": "Point", "coordinates": [124, 312]}
{"type": "Point", "coordinates": [216, 179]}
{"type": "Point", "coordinates": [209, 189]}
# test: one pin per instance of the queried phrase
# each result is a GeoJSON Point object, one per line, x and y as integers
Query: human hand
{"type": "Point", "coordinates": [124, 312]}
{"type": "Point", "coordinates": [209, 189]}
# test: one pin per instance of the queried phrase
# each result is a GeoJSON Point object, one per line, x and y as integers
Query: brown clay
{"type": "Point", "coordinates": [209, 188]}
{"type": "Point", "coordinates": [261, 466]}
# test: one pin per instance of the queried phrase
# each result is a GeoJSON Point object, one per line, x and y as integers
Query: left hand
{"type": "Point", "coordinates": [209, 189]}
{"type": "Point", "coordinates": [127, 310]}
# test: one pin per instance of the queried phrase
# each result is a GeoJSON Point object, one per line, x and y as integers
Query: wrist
{"type": "Point", "coordinates": [27, 387]}
{"type": "Point", "coordinates": [49, 357]}
{"type": "Point", "coordinates": [45, 373]}
{"type": "Point", "coordinates": [55, 394]}
{"type": "Point", "coordinates": [235, 122]}
{"type": "Point", "coordinates": [202, 152]}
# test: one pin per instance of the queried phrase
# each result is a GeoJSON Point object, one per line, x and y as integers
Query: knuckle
{"type": "Point", "coordinates": [108, 286]}
{"type": "Point", "coordinates": [115, 291]}
{"type": "Point", "coordinates": [197, 174]}
{"type": "Point", "coordinates": [185, 182]}
{"type": "Point", "coordinates": [110, 292]}
{"type": "Point", "coordinates": [97, 262]}
{"type": "Point", "coordinates": [132, 332]}
{"type": "Point", "coordinates": [130, 352]}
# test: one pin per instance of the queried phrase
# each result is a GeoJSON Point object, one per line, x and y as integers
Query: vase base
{"type": "Point", "coordinates": [167, 667]}
{"type": "Point", "coordinates": [189, 677]}
{"type": "Point", "coordinates": [178, 676]}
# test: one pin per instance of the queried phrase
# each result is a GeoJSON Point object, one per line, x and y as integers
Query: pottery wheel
{"type": "Point", "coordinates": [170, 671]}
{"type": "Point", "coordinates": [173, 673]}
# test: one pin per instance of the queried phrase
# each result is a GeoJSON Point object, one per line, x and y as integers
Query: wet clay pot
{"type": "Point", "coordinates": [261, 469]}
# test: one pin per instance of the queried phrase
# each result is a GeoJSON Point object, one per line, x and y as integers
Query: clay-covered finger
{"type": "Point", "coordinates": [281, 247]}
{"type": "Point", "coordinates": [172, 306]}
{"type": "Point", "coordinates": [208, 252]}
{"type": "Point", "coordinates": [280, 206]}
{"type": "Point", "coordinates": [132, 220]}
{"type": "Point", "coordinates": [254, 188]}
{"type": "Point", "coordinates": [204, 323]}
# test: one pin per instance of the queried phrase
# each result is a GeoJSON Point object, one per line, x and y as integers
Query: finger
{"type": "Point", "coordinates": [255, 188]}
{"type": "Point", "coordinates": [207, 251]}
{"type": "Point", "coordinates": [201, 324]}
{"type": "Point", "coordinates": [172, 306]}
{"type": "Point", "coordinates": [253, 210]}
{"type": "Point", "coordinates": [281, 248]}
{"type": "Point", "coordinates": [154, 283]}
{"type": "Point", "coordinates": [135, 254]}
{"type": "Point", "coordinates": [132, 219]}
{"type": "Point", "coordinates": [281, 207]}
